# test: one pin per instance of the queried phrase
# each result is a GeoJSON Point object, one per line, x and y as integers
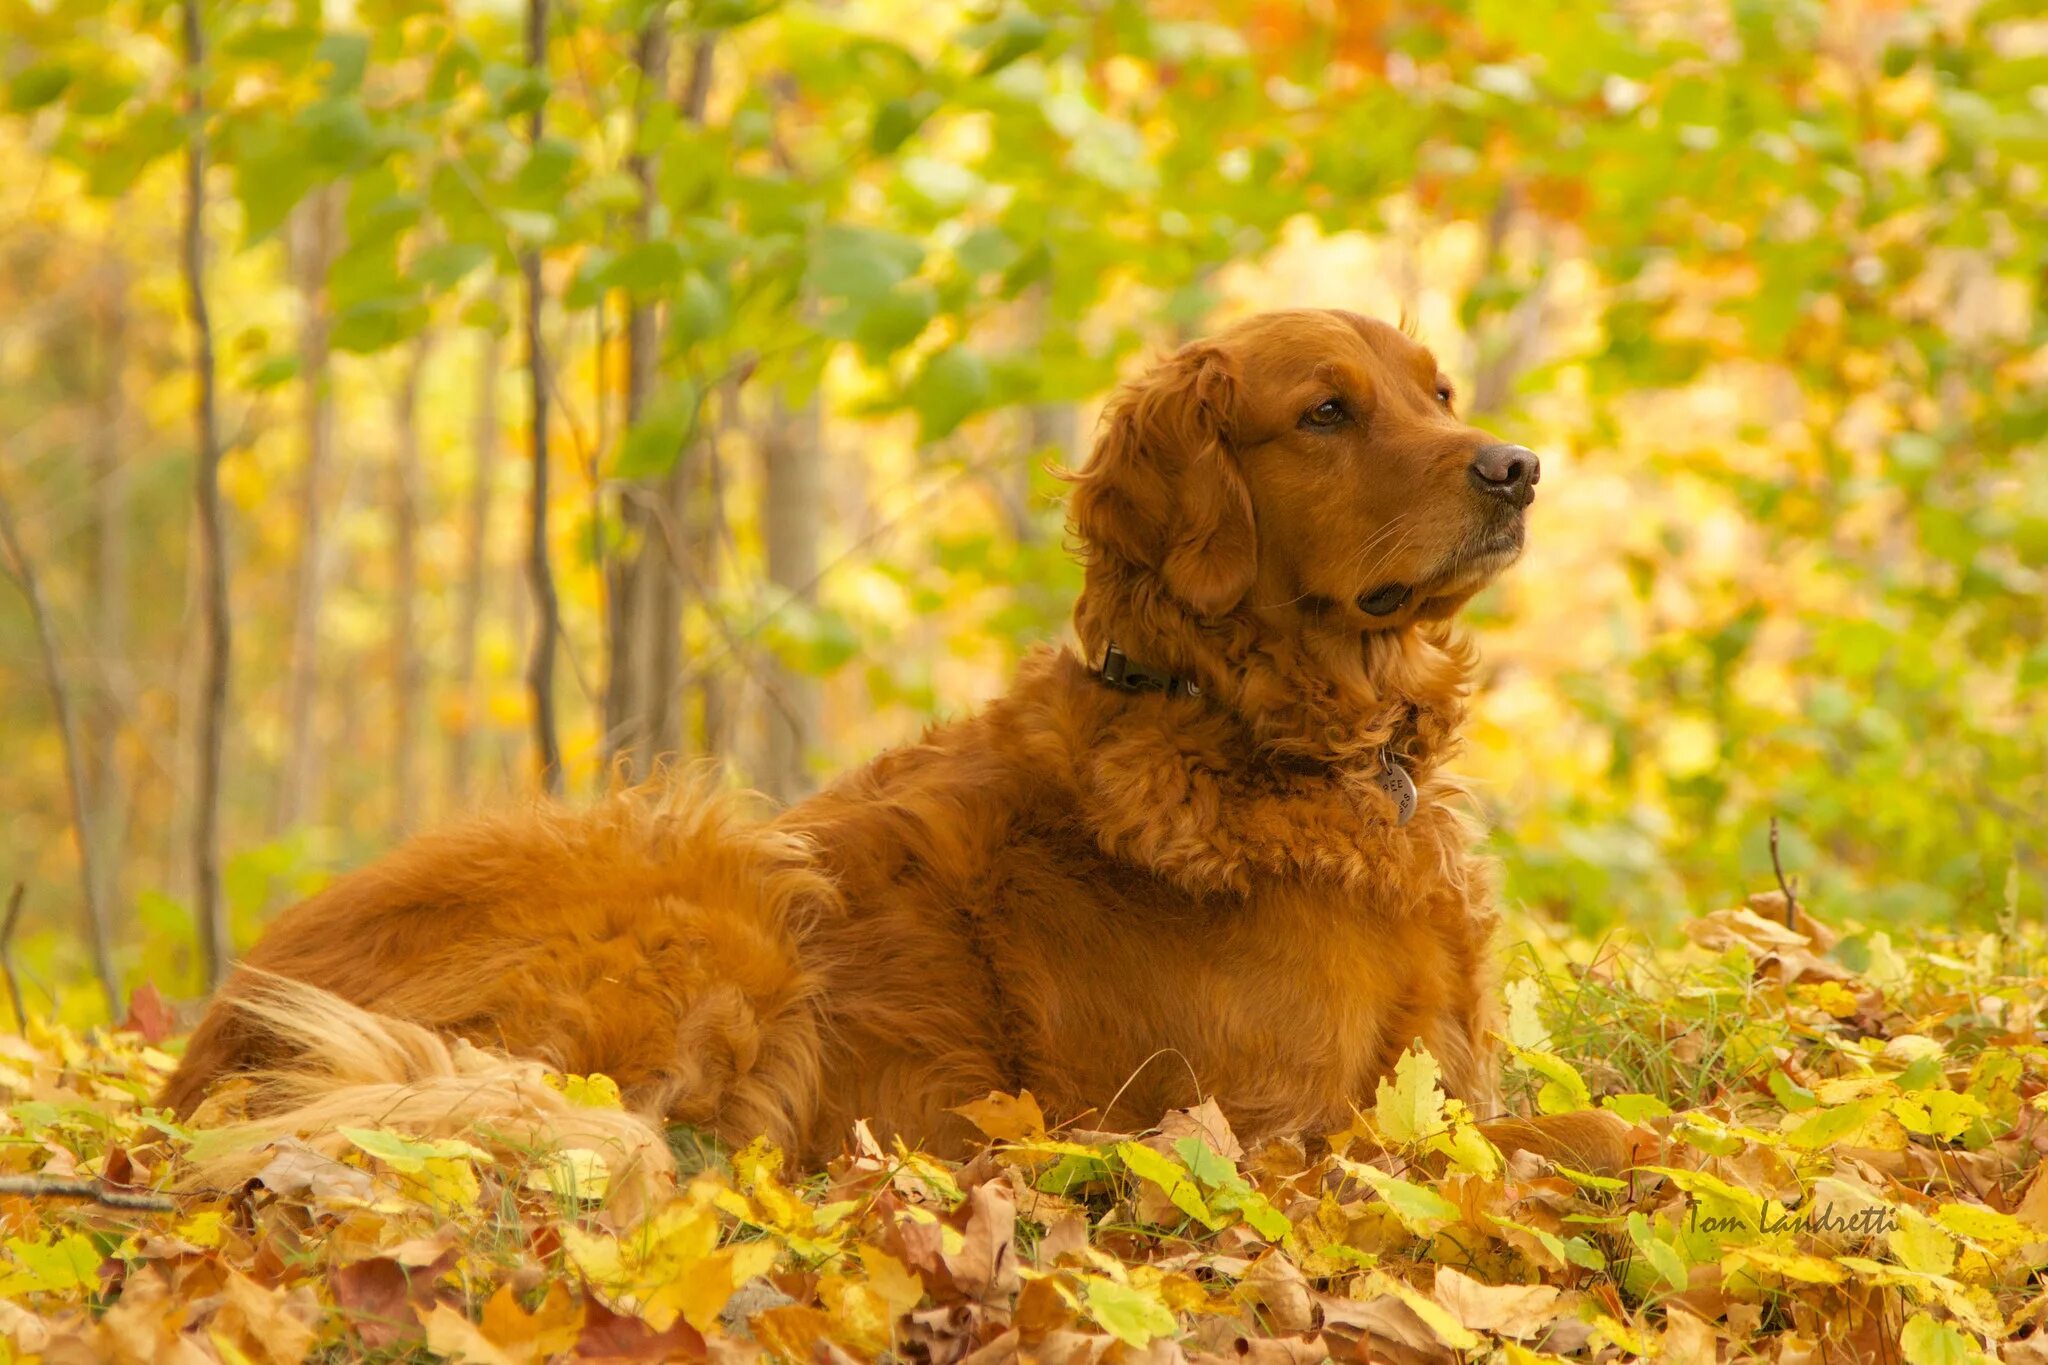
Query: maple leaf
{"type": "Point", "coordinates": [1005, 1118]}
{"type": "Point", "coordinates": [669, 1267]}
{"type": "Point", "coordinates": [1411, 1106]}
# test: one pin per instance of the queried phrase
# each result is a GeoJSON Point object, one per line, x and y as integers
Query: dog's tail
{"type": "Point", "coordinates": [353, 1068]}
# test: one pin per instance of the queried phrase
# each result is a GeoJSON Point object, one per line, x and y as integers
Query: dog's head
{"type": "Point", "coordinates": [1305, 466]}
{"type": "Point", "coordinates": [1288, 512]}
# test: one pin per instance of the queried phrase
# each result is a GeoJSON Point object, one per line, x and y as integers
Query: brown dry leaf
{"type": "Point", "coordinates": [1687, 1340]}
{"type": "Point", "coordinates": [1075, 1348]}
{"type": "Point", "coordinates": [1513, 1310]}
{"type": "Point", "coordinates": [376, 1297]}
{"type": "Point", "coordinates": [1042, 1309]}
{"type": "Point", "coordinates": [1276, 1286]}
{"type": "Point", "coordinates": [1066, 1237]}
{"type": "Point", "coordinates": [268, 1325]}
{"type": "Point", "coordinates": [612, 1336]}
{"type": "Point", "coordinates": [149, 1016]}
{"type": "Point", "coordinates": [1205, 1121]}
{"type": "Point", "coordinates": [295, 1169]}
{"type": "Point", "coordinates": [145, 1327]}
{"type": "Point", "coordinates": [1388, 1328]}
{"type": "Point", "coordinates": [985, 1267]}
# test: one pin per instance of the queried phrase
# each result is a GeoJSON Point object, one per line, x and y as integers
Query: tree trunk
{"type": "Point", "coordinates": [406, 481]}
{"type": "Point", "coordinates": [792, 516]}
{"type": "Point", "coordinates": [211, 908]}
{"type": "Point", "coordinates": [107, 590]}
{"type": "Point", "coordinates": [643, 722]}
{"type": "Point", "coordinates": [470, 599]}
{"type": "Point", "coordinates": [540, 663]}
{"type": "Point", "coordinates": [312, 249]}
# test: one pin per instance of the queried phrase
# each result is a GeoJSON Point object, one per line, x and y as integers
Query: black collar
{"type": "Point", "coordinates": [1118, 671]}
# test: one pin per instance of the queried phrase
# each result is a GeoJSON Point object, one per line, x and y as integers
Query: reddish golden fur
{"type": "Point", "coordinates": [1119, 901]}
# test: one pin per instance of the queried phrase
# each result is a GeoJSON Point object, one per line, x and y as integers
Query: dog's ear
{"type": "Point", "coordinates": [1163, 489]}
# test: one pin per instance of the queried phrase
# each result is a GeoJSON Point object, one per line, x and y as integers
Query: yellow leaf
{"type": "Point", "coordinates": [1005, 1118]}
{"type": "Point", "coordinates": [1807, 1269]}
{"type": "Point", "coordinates": [1525, 1027]}
{"type": "Point", "coordinates": [1453, 1333]}
{"type": "Point", "coordinates": [862, 1316]}
{"type": "Point", "coordinates": [668, 1267]}
{"type": "Point", "coordinates": [1411, 1108]}
{"type": "Point", "coordinates": [1919, 1244]}
{"type": "Point", "coordinates": [898, 1285]}
{"type": "Point", "coordinates": [451, 1334]}
{"type": "Point", "coordinates": [595, 1091]}
{"type": "Point", "coordinates": [202, 1229]}
{"type": "Point", "coordinates": [2000, 1233]}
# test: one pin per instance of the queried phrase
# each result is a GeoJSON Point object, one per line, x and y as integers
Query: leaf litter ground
{"type": "Point", "coordinates": [1835, 1152]}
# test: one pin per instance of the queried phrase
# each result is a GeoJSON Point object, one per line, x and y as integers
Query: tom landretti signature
{"type": "Point", "coordinates": [1864, 1222]}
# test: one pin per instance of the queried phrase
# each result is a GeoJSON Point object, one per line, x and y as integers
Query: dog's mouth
{"type": "Point", "coordinates": [1464, 571]}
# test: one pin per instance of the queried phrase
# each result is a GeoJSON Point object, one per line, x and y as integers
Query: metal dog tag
{"type": "Point", "coordinates": [1400, 789]}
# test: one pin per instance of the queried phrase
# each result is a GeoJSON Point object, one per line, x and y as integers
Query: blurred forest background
{"type": "Point", "coordinates": [777, 313]}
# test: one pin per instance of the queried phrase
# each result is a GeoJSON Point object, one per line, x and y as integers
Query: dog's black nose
{"type": "Point", "coordinates": [1509, 473]}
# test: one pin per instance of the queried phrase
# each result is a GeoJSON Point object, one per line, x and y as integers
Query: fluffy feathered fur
{"type": "Point", "coordinates": [1119, 901]}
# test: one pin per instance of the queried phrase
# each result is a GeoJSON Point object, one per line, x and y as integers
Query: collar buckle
{"type": "Point", "coordinates": [1118, 671]}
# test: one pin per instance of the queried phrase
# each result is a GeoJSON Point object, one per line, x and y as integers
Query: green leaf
{"type": "Point", "coordinates": [336, 133]}
{"type": "Point", "coordinates": [646, 269]}
{"type": "Point", "coordinates": [894, 320]}
{"type": "Point", "coordinates": [1793, 1097]}
{"type": "Point", "coordinates": [69, 1265]}
{"type": "Point", "coordinates": [1133, 1316]}
{"type": "Point", "coordinates": [950, 388]}
{"type": "Point", "coordinates": [698, 312]}
{"type": "Point", "coordinates": [443, 265]}
{"type": "Point", "coordinates": [378, 324]}
{"type": "Point", "coordinates": [1015, 34]}
{"type": "Point", "coordinates": [347, 56]}
{"type": "Point", "coordinates": [1175, 1180]}
{"type": "Point", "coordinates": [897, 119]}
{"type": "Point", "coordinates": [1204, 1162]}
{"type": "Point", "coordinates": [1421, 1209]}
{"type": "Point", "coordinates": [1927, 1342]}
{"type": "Point", "coordinates": [656, 441]}
{"type": "Point", "coordinates": [1663, 1257]}
{"type": "Point", "coordinates": [410, 1155]}
{"type": "Point", "coordinates": [861, 264]}
{"type": "Point", "coordinates": [32, 87]}
{"type": "Point", "coordinates": [1564, 1090]}
{"type": "Point", "coordinates": [1829, 1126]}
{"type": "Point", "coordinates": [1636, 1108]}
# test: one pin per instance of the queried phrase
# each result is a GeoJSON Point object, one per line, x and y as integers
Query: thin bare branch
{"type": "Point", "coordinates": [98, 934]}
{"type": "Point", "coordinates": [7, 956]}
{"type": "Point", "coordinates": [53, 1187]}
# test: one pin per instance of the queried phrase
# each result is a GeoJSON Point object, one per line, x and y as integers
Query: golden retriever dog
{"type": "Point", "coordinates": [1212, 852]}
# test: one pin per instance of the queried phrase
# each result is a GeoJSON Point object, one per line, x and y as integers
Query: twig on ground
{"type": "Point", "coordinates": [1791, 903]}
{"type": "Point", "coordinates": [7, 956]}
{"type": "Point", "coordinates": [55, 1187]}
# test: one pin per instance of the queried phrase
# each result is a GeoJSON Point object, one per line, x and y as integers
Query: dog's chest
{"type": "Point", "coordinates": [1287, 1005]}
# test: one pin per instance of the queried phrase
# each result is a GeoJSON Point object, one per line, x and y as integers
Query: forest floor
{"type": "Point", "coordinates": [1837, 1145]}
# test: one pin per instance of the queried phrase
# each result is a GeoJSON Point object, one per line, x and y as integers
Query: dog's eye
{"type": "Point", "coordinates": [1444, 392]}
{"type": "Point", "coordinates": [1328, 413]}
